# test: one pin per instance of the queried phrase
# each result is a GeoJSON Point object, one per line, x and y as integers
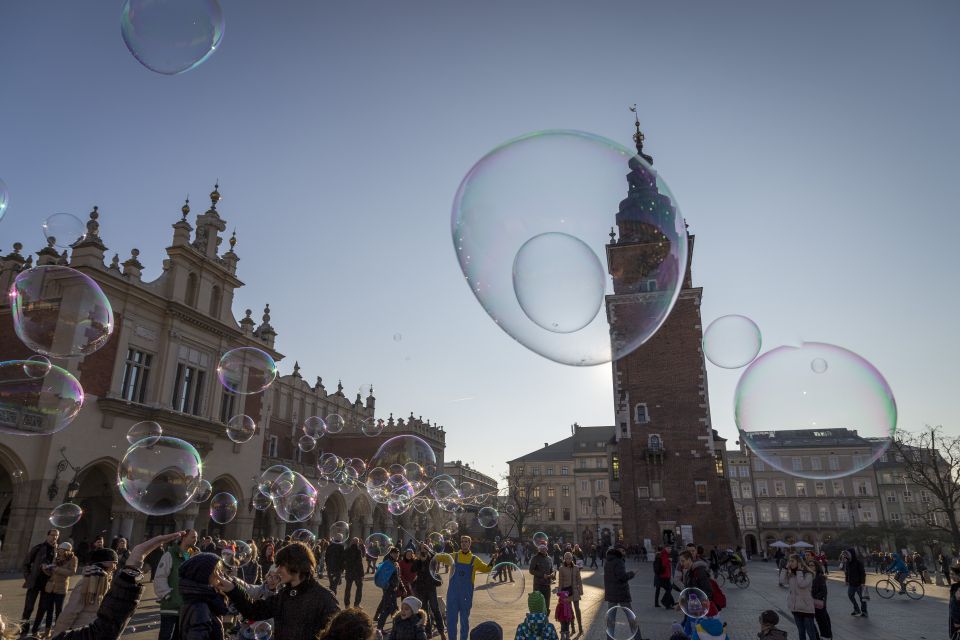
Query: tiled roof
{"type": "Point", "coordinates": [566, 448]}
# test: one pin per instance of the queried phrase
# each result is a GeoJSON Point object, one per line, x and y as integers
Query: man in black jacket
{"type": "Point", "coordinates": [34, 579]}
{"type": "Point", "coordinates": [856, 578]}
{"type": "Point", "coordinates": [334, 558]}
{"type": "Point", "coordinates": [542, 570]}
{"type": "Point", "coordinates": [354, 571]}
{"type": "Point", "coordinates": [616, 590]}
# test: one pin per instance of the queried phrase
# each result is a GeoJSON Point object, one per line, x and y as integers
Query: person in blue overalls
{"type": "Point", "coordinates": [460, 590]}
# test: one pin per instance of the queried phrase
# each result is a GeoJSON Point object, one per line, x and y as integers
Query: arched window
{"type": "Point", "coordinates": [215, 302]}
{"type": "Point", "coordinates": [191, 297]}
{"type": "Point", "coordinates": [640, 413]}
{"type": "Point", "coordinates": [654, 443]}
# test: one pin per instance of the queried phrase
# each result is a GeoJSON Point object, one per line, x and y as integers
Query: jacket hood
{"type": "Point", "coordinates": [776, 634]}
{"type": "Point", "coordinates": [419, 619]}
{"type": "Point", "coordinates": [536, 622]}
{"type": "Point", "coordinates": [699, 563]}
{"type": "Point", "coordinates": [192, 591]}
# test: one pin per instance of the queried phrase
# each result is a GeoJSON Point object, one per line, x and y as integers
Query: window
{"type": "Point", "coordinates": [747, 490]}
{"type": "Point", "coordinates": [857, 461]}
{"type": "Point", "coordinates": [564, 470]}
{"type": "Point", "coordinates": [733, 471]}
{"type": "Point", "coordinates": [643, 492]}
{"type": "Point", "coordinates": [866, 515]}
{"type": "Point", "coordinates": [640, 414]}
{"type": "Point", "coordinates": [783, 512]}
{"type": "Point", "coordinates": [537, 513]}
{"type": "Point", "coordinates": [798, 464]}
{"type": "Point", "coordinates": [749, 517]}
{"type": "Point", "coordinates": [863, 487]}
{"type": "Point", "coordinates": [565, 491]}
{"type": "Point", "coordinates": [820, 489]}
{"type": "Point", "coordinates": [735, 490]}
{"type": "Point", "coordinates": [758, 464]}
{"type": "Point", "coordinates": [584, 506]}
{"type": "Point", "coordinates": [762, 488]}
{"type": "Point", "coordinates": [566, 513]}
{"type": "Point", "coordinates": [615, 469]}
{"type": "Point", "coordinates": [582, 463]}
{"type": "Point", "coordinates": [824, 511]}
{"type": "Point", "coordinates": [551, 492]}
{"type": "Point", "coordinates": [805, 512]}
{"type": "Point", "coordinates": [191, 297]}
{"type": "Point", "coordinates": [843, 514]}
{"type": "Point", "coordinates": [656, 489]}
{"type": "Point", "coordinates": [701, 488]}
{"type": "Point", "coordinates": [838, 488]}
{"type": "Point", "coordinates": [599, 484]}
{"type": "Point", "coordinates": [215, 302]}
{"type": "Point", "coordinates": [519, 469]}
{"type": "Point", "coordinates": [551, 513]}
{"type": "Point", "coordinates": [779, 488]}
{"type": "Point", "coordinates": [549, 471]}
{"type": "Point", "coordinates": [744, 471]}
{"type": "Point", "coordinates": [227, 400]}
{"type": "Point", "coordinates": [924, 496]}
{"type": "Point", "coordinates": [907, 495]}
{"type": "Point", "coordinates": [536, 493]}
{"type": "Point", "coordinates": [584, 486]}
{"type": "Point", "coordinates": [914, 519]}
{"type": "Point", "coordinates": [801, 488]}
{"type": "Point", "coordinates": [739, 516]}
{"type": "Point", "coordinates": [136, 372]}
{"type": "Point", "coordinates": [188, 389]}
{"type": "Point", "coordinates": [895, 517]}
{"type": "Point", "coordinates": [766, 514]}
{"type": "Point", "coordinates": [601, 506]}
{"type": "Point", "coordinates": [601, 463]}
{"type": "Point", "coordinates": [536, 470]}
{"type": "Point", "coordinates": [272, 447]}
{"type": "Point", "coordinates": [891, 496]}
{"type": "Point", "coordinates": [816, 463]}
{"type": "Point", "coordinates": [654, 443]}
{"type": "Point", "coordinates": [834, 463]}
{"type": "Point", "coordinates": [521, 493]}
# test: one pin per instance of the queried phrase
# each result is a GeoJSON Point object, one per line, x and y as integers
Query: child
{"type": "Point", "coordinates": [535, 626]}
{"type": "Point", "coordinates": [768, 627]}
{"type": "Point", "coordinates": [564, 614]}
{"type": "Point", "coordinates": [410, 621]}
{"type": "Point", "coordinates": [388, 602]}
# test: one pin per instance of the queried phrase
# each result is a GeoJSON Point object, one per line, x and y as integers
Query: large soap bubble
{"type": "Point", "coordinates": [161, 478]}
{"type": "Point", "coordinates": [732, 341]}
{"type": "Point", "coordinates": [299, 503]}
{"type": "Point", "coordinates": [171, 36]}
{"type": "Point", "coordinates": [621, 623]}
{"type": "Point", "coordinates": [65, 515]}
{"type": "Point", "coordinates": [37, 406]}
{"type": "Point", "coordinates": [849, 406]}
{"type": "Point", "coordinates": [246, 370]}
{"type": "Point", "coordinates": [506, 583]}
{"type": "Point", "coordinates": [60, 312]}
{"type": "Point", "coordinates": [553, 194]}
{"type": "Point", "coordinates": [400, 450]}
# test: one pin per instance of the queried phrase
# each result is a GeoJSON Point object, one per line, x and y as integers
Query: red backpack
{"type": "Point", "coordinates": [719, 599]}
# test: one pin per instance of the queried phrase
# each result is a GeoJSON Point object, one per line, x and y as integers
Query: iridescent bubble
{"type": "Point", "coordinates": [60, 312]}
{"type": "Point", "coordinates": [161, 478]}
{"type": "Point", "coordinates": [31, 406]}
{"type": "Point", "coordinates": [4, 198]}
{"type": "Point", "coordinates": [242, 553]}
{"type": "Point", "coordinates": [171, 36]}
{"type": "Point", "coordinates": [435, 563]}
{"type": "Point", "coordinates": [444, 493]}
{"type": "Point", "coordinates": [436, 541]}
{"type": "Point", "coordinates": [397, 507]}
{"type": "Point", "coordinates": [468, 490]}
{"type": "Point", "coordinates": [377, 544]}
{"type": "Point", "coordinates": [488, 517]}
{"type": "Point", "coordinates": [276, 481]}
{"type": "Point", "coordinates": [372, 427]}
{"type": "Point", "coordinates": [732, 341]}
{"type": "Point", "coordinates": [241, 428]}
{"type": "Point", "coordinates": [506, 583]}
{"type": "Point", "coordinates": [377, 477]}
{"type": "Point", "coordinates": [694, 603]}
{"type": "Point", "coordinates": [204, 491]}
{"type": "Point", "coordinates": [223, 508]}
{"type": "Point", "coordinates": [339, 532]}
{"type": "Point", "coordinates": [621, 623]}
{"type": "Point", "coordinates": [403, 449]}
{"type": "Point", "coordinates": [558, 191]}
{"type": "Point", "coordinates": [147, 430]}
{"type": "Point", "coordinates": [559, 282]}
{"type": "Point", "coordinates": [451, 527]}
{"type": "Point", "coordinates": [303, 535]}
{"type": "Point", "coordinates": [64, 229]}
{"type": "Point", "coordinates": [850, 406]}
{"type": "Point", "coordinates": [819, 365]}
{"type": "Point", "coordinates": [261, 502]}
{"type": "Point", "coordinates": [246, 370]}
{"type": "Point", "coordinates": [261, 630]}
{"type": "Point", "coordinates": [37, 366]}
{"type": "Point", "coordinates": [299, 503]}
{"type": "Point", "coordinates": [65, 515]}
{"type": "Point", "coordinates": [422, 504]}
{"type": "Point", "coordinates": [357, 466]}
{"type": "Point", "coordinates": [347, 487]}
{"type": "Point", "coordinates": [314, 427]}
{"type": "Point", "coordinates": [306, 443]}
{"type": "Point", "coordinates": [329, 464]}
{"type": "Point", "coordinates": [334, 423]}
{"type": "Point", "coordinates": [540, 539]}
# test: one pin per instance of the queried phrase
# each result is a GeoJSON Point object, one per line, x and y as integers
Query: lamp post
{"type": "Point", "coordinates": [73, 488]}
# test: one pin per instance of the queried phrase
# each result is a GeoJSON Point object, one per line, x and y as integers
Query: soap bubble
{"type": "Point", "coordinates": [436, 541]}
{"type": "Point", "coordinates": [334, 423]}
{"type": "Point", "coordinates": [241, 428]}
{"type": "Point", "coordinates": [377, 544]}
{"type": "Point", "coordinates": [4, 198]}
{"type": "Point", "coordinates": [849, 406]}
{"type": "Point", "coordinates": [299, 503]}
{"type": "Point", "coordinates": [400, 450]}
{"type": "Point", "coordinates": [306, 443]}
{"type": "Point", "coordinates": [694, 603]}
{"type": "Point", "coordinates": [436, 562]}
{"type": "Point", "coordinates": [819, 365]}
{"type": "Point", "coordinates": [261, 502]}
{"type": "Point", "coordinates": [147, 430]}
{"type": "Point", "coordinates": [543, 196]}
{"type": "Point", "coordinates": [251, 363]}
{"type": "Point", "coordinates": [422, 504]}
{"type": "Point", "coordinates": [223, 508]}
{"type": "Point", "coordinates": [204, 491]}
{"type": "Point", "coordinates": [161, 478]}
{"type": "Point", "coordinates": [488, 517]}
{"type": "Point", "coordinates": [60, 312]}
{"type": "Point", "coordinates": [357, 466]}
{"type": "Point", "coordinates": [506, 583]}
{"type": "Point", "coordinates": [347, 487]}
{"type": "Point", "coordinates": [65, 515]}
{"type": "Point", "coordinates": [171, 36]}
{"type": "Point", "coordinates": [37, 406]}
{"type": "Point", "coordinates": [339, 531]}
{"type": "Point", "coordinates": [328, 464]}
{"type": "Point", "coordinates": [243, 552]}
{"type": "Point", "coordinates": [37, 366]}
{"type": "Point", "coordinates": [540, 539]}
{"type": "Point", "coordinates": [372, 427]}
{"type": "Point", "coordinates": [397, 337]}
{"type": "Point", "coordinates": [451, 527]}
{"type": "Point", "coordinates": [559, 282]}
{"type": "Point", "coordinates": [621, 623]}
{"type": "Point", "coordinates": [314, 427]}
{"type": "Point", "coordinates": [303, 535]}
{"type": "Point", "coordinates": [276, 481]}
{"type": "Point", "coordinates": [261, 630]}
{"type": "Point", "coordinates": [64, 229]}
{"type": "Point", "coordinates": [731, 341]}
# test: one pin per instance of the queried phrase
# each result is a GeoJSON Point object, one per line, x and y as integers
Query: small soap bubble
{"type": "Point", "coordinates": [732, 341]}
{"type": "Point", "coordinates": [241, 428]}
{"type": "Point", "coordinates": [488, 517]}
{"type": "Point", "coordinates": [314, 426]}
{"type": "Point", "coordinates": [223, 508]}
{"type": "Point", "coordinates": [540, 539]}
{"type": "Point", "coordinates": [254, 365]}
{"type": "Point", "coordinates": [694, 603]}
{"type": "Point", "coordinates": [303, 535]}
{"type": "Point", "coordinates": [64, 229]}
{"type": "Point", "coordinates": [506, 583]}
{"type": "Point", "coordinates": [372, 427]}
{"type": "Point", "coordinates": [397, 337]}
{"type": "Point", "coordinates": [148, 431]}
{"type": "Point", "coordinates": [819, 365]}
{"type": "Point", "coordinates": [300, 501]}
{"type": "Point", "coordinates": [334, 423]}
{"type": "Point", "coordinates": [377, 545]}
{"type": "Point", "coordinates": [306, 443]}
{"type": "Point", "coordinates": [276, 481]}
{"type": "Point", "coordinates": [436, 541]}
{"type": "Point", "coordinates": [65, 515]}
{"type": "Point", "coordinates": [204, 491]}
{"type": "Point", "coordinates": [261, 502]}
{"type": "Point", "coordinates": [36, 366]}
{"type": "Point", "coordinates": [339, 531]}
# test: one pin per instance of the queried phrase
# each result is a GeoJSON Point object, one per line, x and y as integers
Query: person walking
{"type": "Point", "coordinates": [353, 572]}
{"type": "Point", "coordinates": [799, 597]}
{"type": "Point", "coordinates": [425, 588]}
{"type": "Point", "coordinates": [819, 592]}
{"type": "Point", "coordinates": [855, 575]}
{"type": "Point", "coordinates": [570, 581]}
{"type": "Point", "coordinates": [165, 584]}
{"type": "Point", "coordinates": [202, 605]}
{"type": "Point", "coordinates": [662, 570]}
{"type": "Point", "coordinates": [34, 578]}
{"type": "Point", "coordinates": [616, 590]}
{"type": "Point", "coordinates": [465, 567]}
{"type": "Point", "coordinates": [334, 560]}
{"type": "Point", "coordinates": [51, 602]}
{"type": "Point", "coordinates": [387, 578]}
{"type": "Point", "coordinates": [542, 571]}
{"type": "Point", "coordinates": [953, 621]}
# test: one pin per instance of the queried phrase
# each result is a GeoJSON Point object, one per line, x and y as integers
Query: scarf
{"type": "Point", "coordinates": [94, 584]}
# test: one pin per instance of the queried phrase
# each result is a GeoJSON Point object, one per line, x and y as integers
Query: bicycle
{"type": "Point", "coordinates": [888, 587]}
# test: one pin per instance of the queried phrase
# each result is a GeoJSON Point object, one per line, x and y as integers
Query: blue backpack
{"type": "Point", "coordinates": [385, 571]}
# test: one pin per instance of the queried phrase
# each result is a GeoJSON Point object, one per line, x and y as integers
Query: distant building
{"type": "Point", "coordinates": [484, 495]}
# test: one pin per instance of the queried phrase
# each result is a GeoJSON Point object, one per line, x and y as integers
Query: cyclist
{"type": "Point", "coordinates": [899, 570]}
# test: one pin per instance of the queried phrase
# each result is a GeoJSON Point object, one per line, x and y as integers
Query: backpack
{"type": "Point", "coordinates": [385, 571]}
{"type": "Point", "coordinates": [719, 599]}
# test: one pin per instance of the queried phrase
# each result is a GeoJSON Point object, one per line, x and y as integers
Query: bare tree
{"type": "Point", "coordinates": [931, 460]}
{"type": "Point", "coordinates": [522, 502]}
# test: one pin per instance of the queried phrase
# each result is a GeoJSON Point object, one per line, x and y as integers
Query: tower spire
{"type": "Point", "coordinates": [638, 136]}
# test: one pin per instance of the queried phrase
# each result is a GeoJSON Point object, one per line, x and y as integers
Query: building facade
{"type": "Point", "coordinates": [484, 494]}
{"type": "Point", "coordinates": [160, 364]}
{"type": "Point", "coordinates": [569, 483]}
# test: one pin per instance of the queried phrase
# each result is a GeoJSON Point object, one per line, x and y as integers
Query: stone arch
{"type": "Point", "coordinates": [204, 525]}
{"type": "Point", "coordinates": [750, 544]}
{"type": "Point", "coordinates": [10, 463]}
{"type": "Point", "coordinates": [100, 500]}
{"type": "Point", "coordinates": [334, 509]}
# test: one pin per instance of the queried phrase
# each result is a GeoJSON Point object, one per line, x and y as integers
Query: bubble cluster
{"type": "Point", "coordinates": [506, 583]}
{"type": "Point", "coordinates": [246, 370]}
{"type": "Point", "coordinates": [339, 532]}
{"type": "Point", "coordinates": [65, 515]}
{"type": "Point", "coordinates": [63, 229]}
{"type": "Point", "coordinates": [223, 508]}
{"type": "Point", "coordinates": [147, 431]}
{"type": "Point", "coordinates": [529, 228]}
{"type": "Point", "coordinates": [732, 341]}
{"type": "Point", "coordinates": [276, 481]}
{"type": "Point", "coordinates": [60, 312]}
{"type": "Point", "coordinates": [171, 36]}
{"type": "Point", "coordinates": [621, 623]}
{"type": "Point", "coordinates": [849, 404]}
{"type": "Point", "coordinates": [37, 406]}
{"type": "Point", "coordinates": [160, 478]}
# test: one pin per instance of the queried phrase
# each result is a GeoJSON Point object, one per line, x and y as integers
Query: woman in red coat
{"type": "Point", "coordinates": [662, 572]}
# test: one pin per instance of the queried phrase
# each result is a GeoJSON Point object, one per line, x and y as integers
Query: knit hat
{"type": "Point", "coordinates": [103, 555]}
{"type": "Point", "coordinates": [769, 617]}
{"type": "Point", "coordinates": [536, 602]}
{"type": "Point", "coordinates": [413, 603]}
{"type": "Point", "coordinates": [200, 567]}
{"type": "Point", "coordinates": [65, 546]}
{"type": "Point", "coordinates": [488, 630]}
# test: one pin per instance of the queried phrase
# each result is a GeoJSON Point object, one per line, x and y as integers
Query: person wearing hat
{"type": "Point", "coordinates": [542, 570]}
{"type": "Point", "coordinates": [202, 605]}
{"type": "Point", "coordinates": [410, 622]}
{"type": "Point", "coordinates": [536, 626]}
{"type": "Point", "coordinates": [768, 626]}
{"type": "Point", "coordinates": [488, 630]}
{"type": "Point", "coordinates": [63, 566]}
{"type": "Point", "coordinates": [85, 599]}
{"type": "Point", "coordinates": [165, 584]}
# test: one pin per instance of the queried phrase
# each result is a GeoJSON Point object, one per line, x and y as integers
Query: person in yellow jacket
{"type": "Point", "coordinates": [460, 590]}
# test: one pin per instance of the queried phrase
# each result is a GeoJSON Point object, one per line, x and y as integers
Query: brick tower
{"type": "Point", "coordinates": [670, 468]}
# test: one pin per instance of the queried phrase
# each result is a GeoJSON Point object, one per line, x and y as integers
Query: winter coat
{"type": "Point", "coordinates": [298, 612]}
{"type": "Point", "coordinates": [60, 575]}
{"type": "Point", "coordinates": [773, 634]}
{"type": "Point", "coordinates": [799, 599]}
{"type": "Point", "coordinates": [335, 557]}
{"type": "Point", "coordinates": [541, 568]}
{"type": "Point", "coordinates": [407, 575]}
{"type": "Point", "coordinates": [819, 588]}
{"type": "Point", "coordinates": [353, 561]}
{"type": "Point", "coordinates": [113, 615]}
{"type": "Point", "coordinates": [662, 577]}
{"type": "Point", "coordinates": [85, 599]}
{"type": "Point", "coordinates": [201, 611]}
{"type": "Point", "coordinates": [168, 576]}
{"type": "Point", "coordinates": [425, 584]}
{"type": "Point", "coordinates": [569, 579]}
{"type": "Point", "coordinates": [33, 574]}
{"type": "Point", "coordinates": [616, 577]}
{"type": "Point", "coordinates": [251, 573]}
{"type": "Point", "coordinates": [856, 573]}
{"type": "Point", "coordinates": [412, 628]}
{"type": "Point", "coordinates": [698, 577]}
{"type": "Point", "coordinates": [536, 627]}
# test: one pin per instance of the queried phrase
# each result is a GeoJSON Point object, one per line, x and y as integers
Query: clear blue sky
{"type": "Point", "coordinates": [812, 146]}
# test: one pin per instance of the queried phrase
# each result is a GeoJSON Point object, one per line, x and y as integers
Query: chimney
{"type": "Point", "coordinates": [546, 444]}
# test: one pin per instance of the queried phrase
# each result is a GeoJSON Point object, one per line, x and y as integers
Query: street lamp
{"type": "Point", "coordinates": [73, 488]}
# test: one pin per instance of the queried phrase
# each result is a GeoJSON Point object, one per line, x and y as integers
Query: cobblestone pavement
{"type": "Point", "coordinates": [895, 619]}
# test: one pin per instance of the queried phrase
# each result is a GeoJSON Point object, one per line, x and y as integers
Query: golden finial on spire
{"type": "Point", "coordinates": [638, 137]}
{"type": "Point", "coordinates": [233, 240]}
{"type": "Point", "coordinates": [215, 194]}
{"type": "Point", "coordinates": [185, 209]}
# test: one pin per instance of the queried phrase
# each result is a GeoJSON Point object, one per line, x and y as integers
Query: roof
{"type": "Point", "coordinates": [584, 440]}
{"type": "Point", "coordinates": [807, 438]}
